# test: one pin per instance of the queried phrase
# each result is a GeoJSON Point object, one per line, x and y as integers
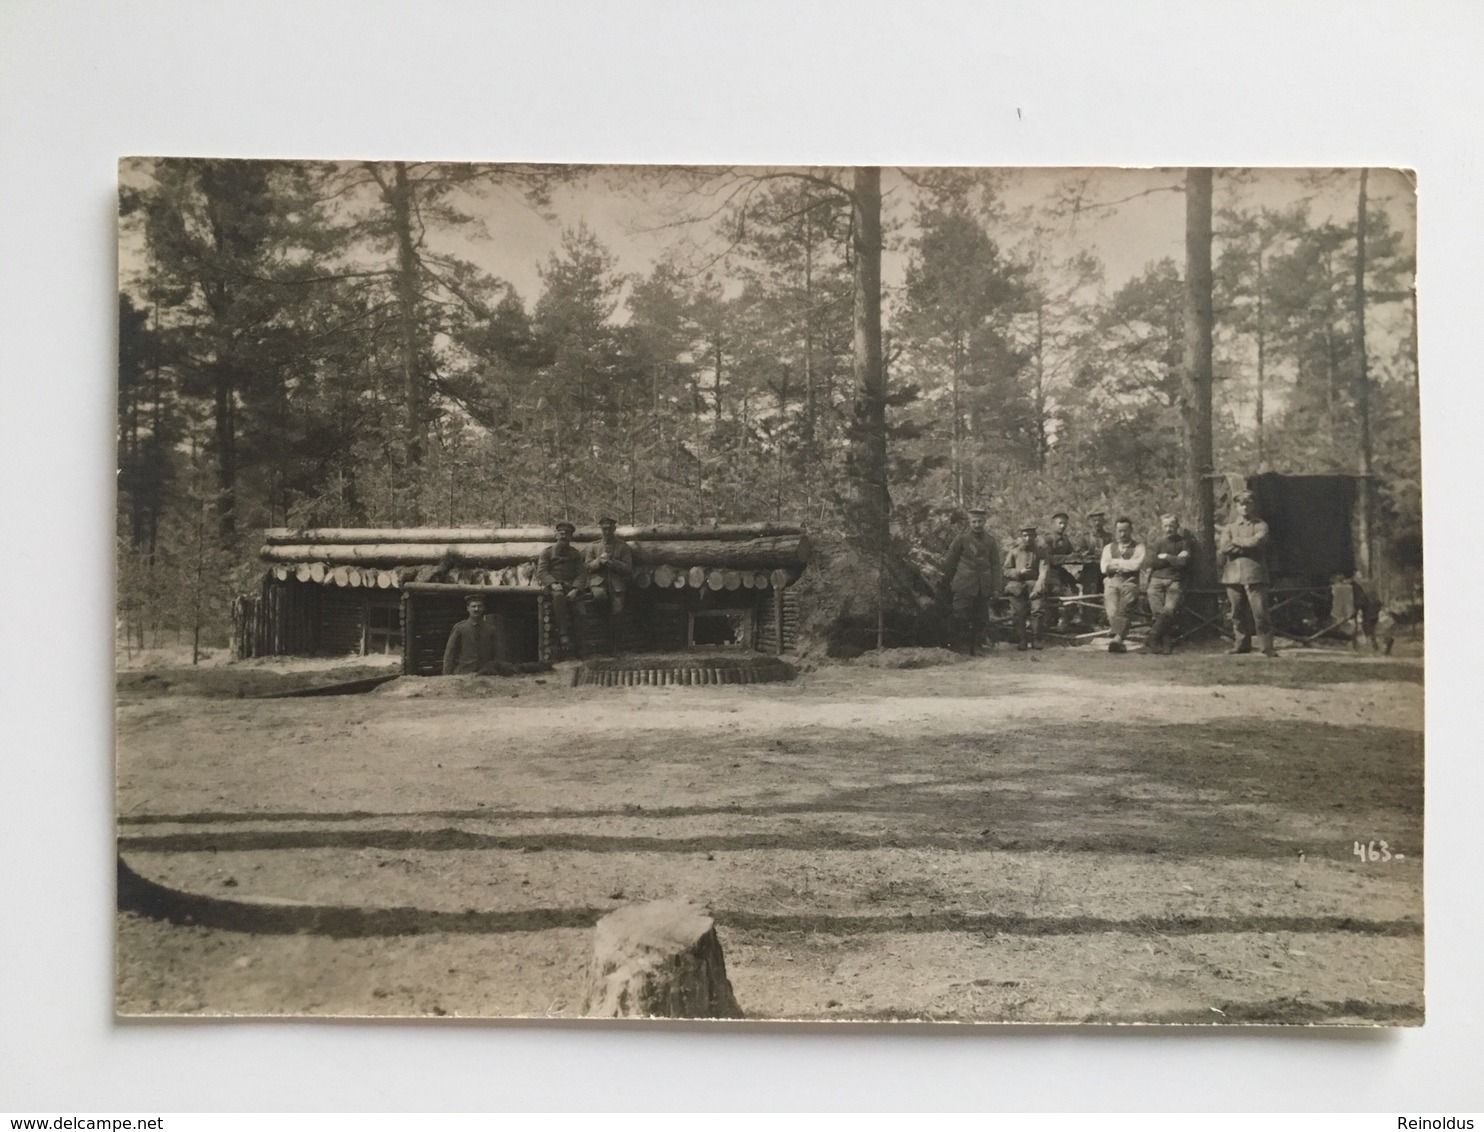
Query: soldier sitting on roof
{"type": "Point", "coordinates": [561, 571]}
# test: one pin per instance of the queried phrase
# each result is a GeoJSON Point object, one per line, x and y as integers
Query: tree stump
{"type": "Point", "coordinates": [658, 960]}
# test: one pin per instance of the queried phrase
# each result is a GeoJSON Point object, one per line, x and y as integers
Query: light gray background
{"type": "Point", "coordinates": [1341, 82]}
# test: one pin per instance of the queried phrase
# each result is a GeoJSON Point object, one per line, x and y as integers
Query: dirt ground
{"type": "Point", "coordinates": [1064, 836]}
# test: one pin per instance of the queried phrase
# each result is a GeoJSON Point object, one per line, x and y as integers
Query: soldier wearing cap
{"type": "Point", "coordinates": [475, 646]}
{"type": "Point", "coordinates": [972, 571]}
{"type": "Point", "coordinates": [1025, 581]}
{"type": "Point", "coordinates": [1059, 549]}
{"type": "Point", "coordinates": [610, 565]}
{"type": "Point", "coordinates": [561, 571]}
{"type": "Point", "coordinates": [1242, 550]}
{"type": "Point", "coordinates": [1121, 562]}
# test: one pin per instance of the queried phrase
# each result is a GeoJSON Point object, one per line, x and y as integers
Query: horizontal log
{"type": "Point", "coordinates": [450, 588]}
{"type": "Point", "coordinates": [731, 532]}
{"type": "Point", "coordinates": [789, 552]}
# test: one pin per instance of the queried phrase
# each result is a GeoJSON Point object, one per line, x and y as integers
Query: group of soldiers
{"type": "Point", "coordinates": [599, 574]}
{"type": "Point", "coordinates": [1045, 576]}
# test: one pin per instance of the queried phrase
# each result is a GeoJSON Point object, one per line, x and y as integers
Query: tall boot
{"type": "Point", "coordinates": [1266, 641]}
{"type": "Point", "coordinates": [1157, 631]}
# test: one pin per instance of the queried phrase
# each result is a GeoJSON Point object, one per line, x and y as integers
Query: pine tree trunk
{"type": "Point", "coordinates": [400, 201]}
{"type": "Point", "coordinates": [1196, 400]}
{"type": "Point", "coordinates": [869, 441]}
{"type": "Point", "coordinates": [1363, 385]}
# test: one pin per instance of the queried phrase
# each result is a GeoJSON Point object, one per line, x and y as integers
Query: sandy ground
{"type": "Point", "coordinates": [1054, 837]}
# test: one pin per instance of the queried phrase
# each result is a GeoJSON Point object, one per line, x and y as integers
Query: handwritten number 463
{"type": "Point", "coordinates": [1376, 851]}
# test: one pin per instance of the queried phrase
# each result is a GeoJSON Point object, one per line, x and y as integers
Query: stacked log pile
{"type": "Point", "coordinates": [747, 556]}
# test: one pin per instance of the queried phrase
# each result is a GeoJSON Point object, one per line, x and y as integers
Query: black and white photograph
{"type": "Point", "coordinates": [872, 593]}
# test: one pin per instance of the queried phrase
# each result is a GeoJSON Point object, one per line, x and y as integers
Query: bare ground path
{"type": "Point", "coordinates": [1056, 837]}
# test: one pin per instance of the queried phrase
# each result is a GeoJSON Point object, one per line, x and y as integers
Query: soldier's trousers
{"type": "Point", "coordinates": [1249, 605]}
{"type": "Point", "coordinates": [561, 613]}
{"type": "Point", "coordinates": [1119, 597]}
{"type": "Point", "coordinates": [608, 598]}
{"type": "Point", "coordinates": [1166, 595]}
{"type": "Point", "coordinates": [1060, 584]}
{"type": "Point", "coordinates": [970, 616]}
{"type": "Point", "coordinates": [1025, 608]}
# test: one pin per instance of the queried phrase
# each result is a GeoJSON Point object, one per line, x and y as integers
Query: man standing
{"type": "Point", "coordinates": [475, 646]}
{"type": "Point", "coordinates": [1242, 549]}
{"type": "Point", "coordinates": [561, 571]}
{"type": "Point", "coordinates": [1060, 583]}
{"type": "Point", "coordinates": [1121, 562]}
{"type": "Point", "coordinates": [1169, 559]}
{"type": "Point", "coordinates": [972, 571]}
{"type": "Point", "coordinates": [1025, 581]}
{"type": "Point", "coordinates": [610, 565]}
{"type": "Point", "coordinates": [1092, 549]}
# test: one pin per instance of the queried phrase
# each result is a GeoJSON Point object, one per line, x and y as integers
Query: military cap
{"type": "Point", "coordinates": [607, 521]}
{"type": "Point", "coordinates": [978, 511]}
{"type": "Point", "coordinates": [1245, 497]}
{"type": "Point", "coordinates": [563, 525]}
{"type": "Point", "coordinates": [1061, 515]}
{"type": "Point", "coordinates": [1097, 514]}
{"type": "Point", "coordinates": [473, 597]}
{"type": "Point", "coordinates": [1027, 530]}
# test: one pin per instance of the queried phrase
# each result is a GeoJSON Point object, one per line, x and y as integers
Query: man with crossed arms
{"type": "Point", "coordinates": [1122, 560]}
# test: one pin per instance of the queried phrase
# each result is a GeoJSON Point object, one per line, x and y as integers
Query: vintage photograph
{"type": "Point", "coordinates": [832, 594]}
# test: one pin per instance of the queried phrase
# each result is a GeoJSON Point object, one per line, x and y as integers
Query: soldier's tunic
{"type": "Point", "coordinates": [1025, 582]}
{"type": "Point", "coordinates": [610, 580]}
{"type": "Point", "coordinates": [1243, 549]}
{"type": "Point", "coordinates": [1121, 563]}
{"type": "Point", "coordinates": [474, 647]}
{"type": "Point", "coordinates": [1092, 547]}
{"type": "Point", "coordinates": [564, 567]}
{"type": "Point", "coordinates": [972, 569]}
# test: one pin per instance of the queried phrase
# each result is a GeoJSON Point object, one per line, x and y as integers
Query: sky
{"type": "Point", "coordinates": [624, 205]}
{"type": "Point", "coordinates": [1127, 237]}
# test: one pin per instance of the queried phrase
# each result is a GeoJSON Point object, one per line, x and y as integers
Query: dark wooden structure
{"type": "Point", "coordinates": [400, 591]}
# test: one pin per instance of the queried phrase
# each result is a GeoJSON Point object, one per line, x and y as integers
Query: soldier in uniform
{"type": "Point", "coordinates": [561, 571]}
{"type": "Point", "coordinates": [476, 646]}
{"type": "Point", "coordinates": [1092, 549]}
{"type": "Point", "coordinates": [610, 565]}
{"type": "Point", "coordinates": [1025, 581]}
{"type": "Point", "coordinates": [1121, 562]}
{"type": "Point", "coordinates": [1060, 583]}
{"type": "Point", "coordinates": [1169, 561]}
{"type": "Point", "coordinates": [1242, 550]}
{"type": "Point", "coordinates": [972, 572]}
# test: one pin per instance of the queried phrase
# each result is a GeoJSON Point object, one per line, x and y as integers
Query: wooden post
{"type": "Point", "coordinates": [778, 618]}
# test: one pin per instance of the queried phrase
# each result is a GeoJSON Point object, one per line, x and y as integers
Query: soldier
{"type": "Point", "coordinates": [1169, 559]}
{"type": "Point", "coordinates": [1092, 549]}
{"type": "Point", "coordinates": [1121, 562]}
{"type": "Point", "coordinates": [1025, 581]}
{"type": "Point", "coordinates": [610, 565]}
{"type": "Point", "coordinates": [475, 646]}
{"type": "Point", "coordinates": [972, 572]}
{"type": "Point", "coordinates": [1242, 549]}
{"type": "Point", "coordinates": [561, 571]}
{"type": "Point", "coordinates": [1060, 583]}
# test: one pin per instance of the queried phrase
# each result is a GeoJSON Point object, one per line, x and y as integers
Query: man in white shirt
{"type": "Point", "coordinates": [1123, 558]}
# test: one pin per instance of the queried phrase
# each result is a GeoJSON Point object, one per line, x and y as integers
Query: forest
{"type": "Point", "coordinates": [865, 351]}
